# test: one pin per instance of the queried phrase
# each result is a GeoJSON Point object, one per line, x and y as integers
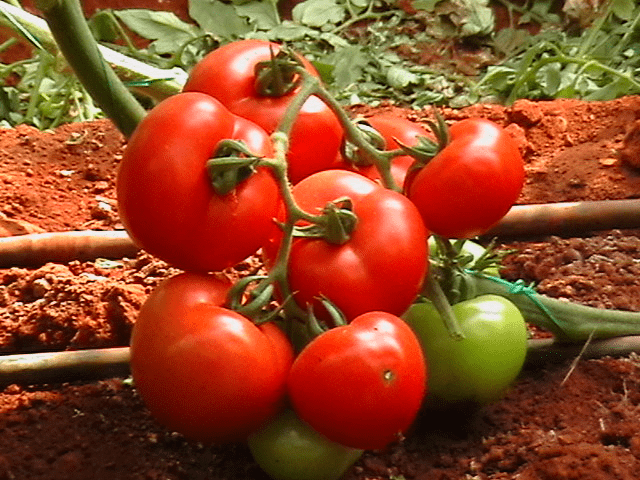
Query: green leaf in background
{"type": "Point", "coordinates": [549, 77]}
{"type": "Point", "coordinates": [425, 5]}
{"type": "Point", "coordinates": [218, 18]}
{"type": "Point", "coordinates": [623, 9]}
{"type": "Point", "coordinates": [400, 78]}
{"type": "Point", "coordinates": [349, 64]}
{"type": "Point", "coordinates": [612, 90]}
{"type": "Point", "coordinates": [288, 31]}
{"type": "Point", "coordinates": [370, 51]}
{"type": "Point", "coordinates": [165, 29]}
{"type": "Point", "coordinates": [261, 14]}
{"type": "Point", "coordinates": [479, 18]}
{"type": "Point", "coordinates": [318, 13]}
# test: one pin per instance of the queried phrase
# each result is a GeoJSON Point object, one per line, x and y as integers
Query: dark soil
{"type": "Point", "coordinates": [549, 425]}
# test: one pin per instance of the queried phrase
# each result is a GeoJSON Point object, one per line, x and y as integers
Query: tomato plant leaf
{"type": "Point", "coordinates": [349, 64]}
{"type": "Point", "coordinates": [165, 29]}
{"type": "Point", "coordinates": [425, 5]}
{"type": "Point", "coordinates": [623, 9]}
{"type": "Point", "coordinates": [261, 14]}
{"type": "Point", "coordinates": [479, 18]}
{"type": "Point", "coordinates": [401, 78]}
{"type": "Point", "coordinates": [317, 13]}
{"type": "Point", "coordinates": [225, 23]}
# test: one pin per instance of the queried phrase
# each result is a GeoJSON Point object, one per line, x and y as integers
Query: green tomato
{"type": "Point", "coordinates": [289, 449]}
{"type": "Point", "coordinates": [471, 248]}
{"type": "Point", "coordinates": [480, 367]}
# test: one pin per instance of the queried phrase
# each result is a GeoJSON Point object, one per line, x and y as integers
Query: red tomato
{"type": "Point", "coordinates": [202, 370]}
{"type": "Point", "coordinates": [360, 385]}
{"type": "Point", "coordinates": [383, 264]}
{"type": "Point", "coordinates": [228, 74]}
{"type": "Point", "coordinates": [472, 183]}
{"type": "Point", "coordinates": [165, 198]}
{"type": "Point", "coordinates": [392, 128]}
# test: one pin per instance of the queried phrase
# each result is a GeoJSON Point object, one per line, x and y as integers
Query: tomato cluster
{"type": "Point", "coordinates": [330, 352]}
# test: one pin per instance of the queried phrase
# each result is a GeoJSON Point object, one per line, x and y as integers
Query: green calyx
{"type": "Point", "coordinates": [279, 75]}
{"type": "Point", "coordinates": [231, 164]}
{"type": "Point", "coordinates": [426, 149]}
{"type": "Point", "coordinates": [358, 156]}
{"type": "Point", "coordinates": [335, 225]}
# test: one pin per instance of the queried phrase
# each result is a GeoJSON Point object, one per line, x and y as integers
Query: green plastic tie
{"type": "Point", "coordinates": [519, 287]}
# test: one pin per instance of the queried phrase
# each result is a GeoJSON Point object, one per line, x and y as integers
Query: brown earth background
{"type": "Point", "coordinates": [555, 423]}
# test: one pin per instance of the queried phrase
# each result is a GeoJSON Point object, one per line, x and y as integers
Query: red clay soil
{"type": "Point", "coordinates": [549, 425]}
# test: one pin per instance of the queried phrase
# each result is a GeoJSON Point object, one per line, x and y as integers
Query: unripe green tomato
{"type": "Point", "coordinates": [289, 449]}
{"type": "Point", "coordinates": [480, 367]}
{"type": "Point", "coordinates": [472, 248]}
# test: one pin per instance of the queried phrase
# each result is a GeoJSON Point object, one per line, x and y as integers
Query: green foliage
{"type": "Point", "coordinates": [366, 50]}
{"type": "Point", "coordinates": [46, 95]}
{"type": "Point", "coordinates": [601, 62]}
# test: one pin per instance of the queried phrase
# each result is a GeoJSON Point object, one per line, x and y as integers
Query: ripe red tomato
{"type": "Point", "coordinates": [165, 198]}
{"type": "Point", "coordinates": [360, 385]}
{"type": "Point", "coordinates": [381, 267]}
{"type": "Point", "coordinates": [228, 74]}
{"type": "Point", "coordinates": [392, 128]}
{"type": "Point", "coordinates": [472, 183]}
{"type": "Point", "coordinates": [203, 370]}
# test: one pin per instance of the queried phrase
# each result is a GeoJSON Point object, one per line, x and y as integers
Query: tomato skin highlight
{"type": "Point", "coordinates": [165, 198]}
{"type": "Point", "coordinates": [360, 385]}
{"type": "Point", "coordinates": [482, 366]}
{"type": "Point", "coordinates": [203, 370]}
{"type": "Point", "coordinates": [385, 260]}
{"type": "Point", "coordinates": [470, 184]}
{"type": "Point", "coordinates": [289, 449]}
{"type": "Point", "coordinates": [227, 73]}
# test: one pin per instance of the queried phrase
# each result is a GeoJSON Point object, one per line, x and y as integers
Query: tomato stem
{"type": "Point", "coordinates": [435, 293]}
{"type": "Point", "coordinates": [279, 75]}
{"type": "Point", "coordinates": [353, 134]}
{"type": "Point", "coordinates": [232, 164]}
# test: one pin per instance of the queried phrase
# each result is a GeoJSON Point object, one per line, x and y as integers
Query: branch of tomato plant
{"type": "Point", "coordinates": [382, 159]}
{"type": "Point", "coordinates": [333, 225]}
